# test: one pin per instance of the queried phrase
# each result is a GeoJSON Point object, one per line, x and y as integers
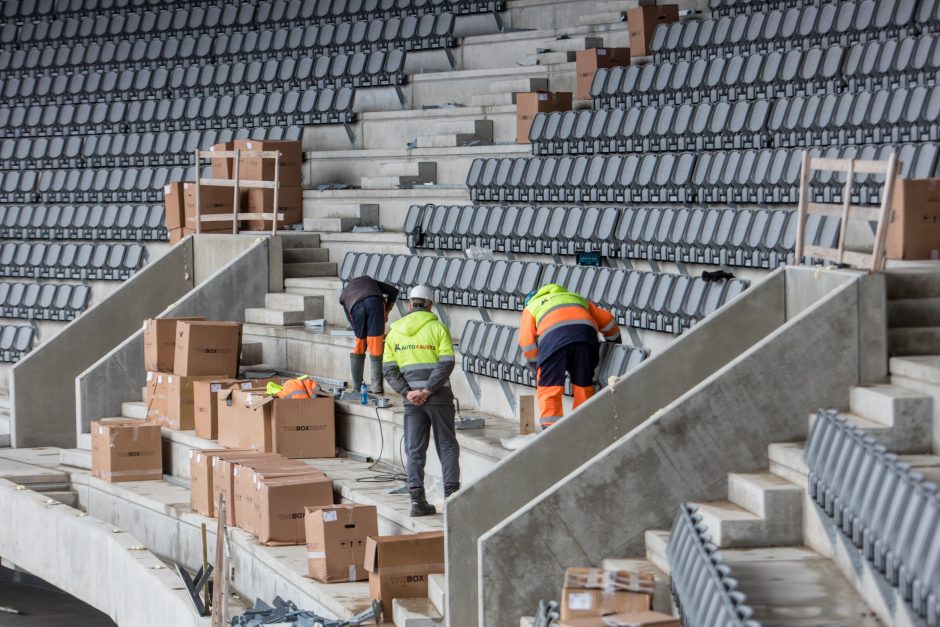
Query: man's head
{"type": "Point", "coordinates": [420, 298]}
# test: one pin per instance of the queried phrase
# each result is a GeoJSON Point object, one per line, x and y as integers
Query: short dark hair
{"type": "Point", "coordinates": [420, 303]}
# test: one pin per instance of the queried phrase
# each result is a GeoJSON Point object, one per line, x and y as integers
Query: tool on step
{"type": "Point", "coordinates": [382, 401]}
{"type": "Point", "coordinates": [287, 613]}
{"type": "Point", "coordinates": [197, 586]}
{"type": "Point", "coordinates": [463, 423]}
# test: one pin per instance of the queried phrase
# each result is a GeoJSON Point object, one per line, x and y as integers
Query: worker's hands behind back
{"type": "Point", "coordinates": [418, 397]}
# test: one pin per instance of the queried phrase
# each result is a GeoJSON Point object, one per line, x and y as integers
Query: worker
{"type": "Point", "coordinates": [366, 303]}
{"type": "Point", "coordinates": [558, 334]}
{"type": "Point", "coordinates": [418, 360]}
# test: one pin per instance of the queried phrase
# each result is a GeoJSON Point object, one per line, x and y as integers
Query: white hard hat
{"type": "Point", "coordinates": [421, 291]}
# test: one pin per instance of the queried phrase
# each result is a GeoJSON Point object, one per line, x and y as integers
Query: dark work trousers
{"type": "Point", "coordinates": [368, 323]}
{"type": "Point", "coordinates": [418, 424]}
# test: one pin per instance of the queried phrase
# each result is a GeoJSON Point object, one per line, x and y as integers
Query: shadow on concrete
{"type": "Point", "coordinates": [43, 605]}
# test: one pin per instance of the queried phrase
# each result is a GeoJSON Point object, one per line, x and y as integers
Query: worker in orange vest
{"type": "Point", "coordinates": [558, 334]}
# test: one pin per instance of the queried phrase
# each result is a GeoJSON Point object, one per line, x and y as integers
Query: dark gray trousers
{"type": "Point", "coordinates": [418, 424]}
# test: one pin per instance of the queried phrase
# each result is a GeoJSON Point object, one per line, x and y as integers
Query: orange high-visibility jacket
{"type": "Point", "coordinates": [303, 387]}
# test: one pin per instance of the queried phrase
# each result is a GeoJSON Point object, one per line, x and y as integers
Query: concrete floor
{"type": "Point", "coordinates": [42, 606]}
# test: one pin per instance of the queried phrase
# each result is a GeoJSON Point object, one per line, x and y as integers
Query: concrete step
{"type": "Point", "coordinates": [452, 140]}
{"type": "Point", "coordinates": [786, 460]}
{"type": "Point", "coordinates": [420, 170]}
{"type": "Point", "coordinates": [514, 85]}
{"type": "Point", "coordinates": [913, 284]}
{"type": "Point", "coordinates": [596, 19]}
{"type": "Point", "coordinates": [415, 613]}
{"type": "Point", "coordinates": [134, 409]}
{"type": "Point", "coordinates": [914, 312]}
{"type": "Point", "coordinates": [311, 306]}
{"type": "Point", "coordinates": [304, 255]}
{"type": "Point", "coordinates": [316, 268]}
{"type": "Point", "coordinates": [294, 239]}
{"type": "Point", "coordinates": [331, 225]}
{"type": "Point", "coordinates": [552, 58]}
{"type": "Point", "coordinates": [67, 497]}
{"type": "Point", "coordinates": [622, 5]}
{"type": "Point", "coordinates": [912, 438]}
{"type": "Point", "coordinates": [478, 128]}
{"type": "Point", "coordinates": [492, 100]}
{"type": "Point", "coordinates": [914, 340]}
{"type": "Point", "coordinates": [273, 317]}
{"type": "Point", "coordinates": [251, 354]}
{"type": "Point", "coordinates": [732, 526]}
{"type": "Point", "coordinates": [924, 368]}
{"type": "Point", "coordinates": [765, 494]}
{"type": "Point", "coordinates": [892, 406]}
{"type": "Point", "coordinates": [656, 541]}
{"type": "Point", "coordinates": [662, 599]}
{"type": "Point", "coordinates": [437, 592]}
{"type": "Point", "coordinates": [391, 182]}
{"type": "Point", "coordinates": [573, 44]}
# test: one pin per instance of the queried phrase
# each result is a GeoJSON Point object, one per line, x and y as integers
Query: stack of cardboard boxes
{"type": "Point", "coordinates": [594, 597]}
{"type": "Point", "coordinates": [529, 104]}
{"type": "Point", "coordinates": [180, 198]}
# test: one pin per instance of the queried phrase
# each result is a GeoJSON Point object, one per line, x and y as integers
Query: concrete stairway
{"type": "Point", "coordinates": [914, 313]}
{"type": "Point", "coordinates": [343, 218]}
{"type": "Point", "coordinates": [303, 256]}
{"type": "Point", "coordinates": [27, 468]}
{"type": "Point", "coordinates": [458, 133]}
{"type": "Point", "coordinates": [402, 174]}
{"type": "Point", "coordinates": [283, 309]}
{"type": "Point", "coordinates": [503, 92]}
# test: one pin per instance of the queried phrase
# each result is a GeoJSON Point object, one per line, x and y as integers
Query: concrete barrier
{"type": "Point", "coordinates": [539, 469]}
{"type": "Point", "coordinates": [234, 275]}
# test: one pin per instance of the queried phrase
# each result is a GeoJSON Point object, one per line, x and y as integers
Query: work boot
{"type": "Point", "coordinates": [450, 488]}
{"type": "Point", "coordinates": [419, 503]}
{"type": "Point", "coordinates": [375, 386]}
{"type": "Point", "coordinates": [357, 364]}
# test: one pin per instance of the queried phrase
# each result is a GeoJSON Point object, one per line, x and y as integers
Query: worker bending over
{"type": "Point", "coordinates": [418, 360]}
{"type": "Point", "coordinates": [558, 334]}
{"type": "Point", "coordinates": [367, 303]}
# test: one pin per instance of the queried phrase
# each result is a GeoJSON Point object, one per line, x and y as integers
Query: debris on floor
{"type": "Point", "coordinates": [287, 613]}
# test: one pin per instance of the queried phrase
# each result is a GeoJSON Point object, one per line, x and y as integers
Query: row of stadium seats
{"type": "Point", "coordinates": [15, 342]}
{"type": "Point", "coordinates": [927, 11]}
{"type": "Point", "coordinates": [882, 505]}
{"type": "Point", "coordinates": [277, 109]}
{"type": "Point", "coordinates": [670, 303]}
{"type": "Point", "coordinates": [704, 588]}
{"type": "Point", "coordinates": [106, 262]}
{"type": "Point", "coordinates": [364, 70]}
{"type": "Point", "coordinates": [88, 186]}
{"type": "Point", "coordinates": [890, 64]}
{"type": "Point", "coordinates": [757, 238]}
{"type": "Point", "coordinates": [813, 25]}
{"type": "Point", "coordinates": [93, 222]}
{"type": "Point", "coordinates": [768, 176]}
{"type": "Point", "coordinates": [319, 10]}
{"type": "Point", "coordinates": [346, 36]}
{"type": "Point", "coordinates": [492, 350]}
{"type": "Point", "coordinates": [865, 117]}
{"type": "Point", "coordinates": [43, 301]}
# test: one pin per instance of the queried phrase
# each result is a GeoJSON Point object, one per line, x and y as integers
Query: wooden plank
{"type": "Point", "coordinates": [526, 414]}
{"type": "Point", "coordinates": [227, 217]}
{"type": "Point", "coordinates": [237, 183]}
{"type": "Point", "coordinates": [819, 252]}
{"type": "Point", "coordinates": [232, 154]}
{"type": "Point", "coordinates": [871, 214]}
{"type": "Point", "coordinates": [842, 165]}
{"type": "Point", "coordinates": [218, 576]}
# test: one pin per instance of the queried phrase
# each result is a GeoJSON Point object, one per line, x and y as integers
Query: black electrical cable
{"type": "Point", "coordinates": [384, 476]}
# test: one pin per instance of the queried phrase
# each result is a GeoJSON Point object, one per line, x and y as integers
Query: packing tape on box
{"type": "Point", "coordinates": [353, 573]}
{"type": "Point", "coordinates": [395, 570]}
{"type": "Point", "coordinates": [154, 472]}
{"type": "Point", "coordinates": [316, 555]}
{"type": "Point", "coordinates": [610, 580]}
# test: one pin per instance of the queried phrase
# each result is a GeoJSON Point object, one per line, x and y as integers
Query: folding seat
{"type": "Point", "coordinates": [12, 307]}
{"type": "Point", "coordinates": [658, 44]}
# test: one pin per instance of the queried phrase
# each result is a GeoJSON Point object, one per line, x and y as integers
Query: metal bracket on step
{"type": "Point", "coordinates": [634, 337]}
{"type": "Point", "coordinates": [682, 268]}
{"type": "Point", "coordinates": [499, 21]}
{"type": "Point", "coordinates": [351, 134]}
{"type": "Point", "coordinates": [474, 386]}
{"type": "Point", "coordinates": [654, 266]}
{"type": "Point", "coordinates": [442, 314]}
{"type": "Point", "coordinates": [195, 585]}
{"type": "Point", "coordinates": [627, 264]}
{"type": "Point", "coordinates": [510, 397]}
{"type": "Point", "coordinates": [402, 310]}
{"type": "Point", "coordinates": [400, 94]}
{"type": "Point", "coordinates": [450, 59]}
{"type": "Point", "coordinates": [557, 259]}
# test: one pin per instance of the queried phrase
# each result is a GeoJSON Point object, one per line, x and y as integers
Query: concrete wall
{"type": "Point", "coordinates": [42, 392]}
{"type": "Point", "coordinates": [240, 280]}
{"type": "Point", "coordinates": [88, 559]}
{"type": "Point", "coordinates": [683, 452]}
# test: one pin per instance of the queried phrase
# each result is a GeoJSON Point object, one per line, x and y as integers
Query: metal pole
{"type": "Point", "coordinates": [205, 563]}
{"type": "Point", "coordinates": [277, 192]}
{"type": "Point", "coordinates": [238, 158]}
{"type": "Point", "coordinates": [198, 197]}
{"type": "Point", "coordinates": [801, 211]}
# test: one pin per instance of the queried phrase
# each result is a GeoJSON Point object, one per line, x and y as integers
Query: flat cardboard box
{"type": "Point", "coordinates": [179, 413]}
{"type": "Point", "coordinates": [528, 104]}
{"type": "Point", "coordinates": [245, 476]}
{"type": "Point", "coordinates": [126, 450]}
{"type": "Point", "coordinates": [628, 619]}
{"type": "Point", "coordinates": [256, 169]}
{"type": "Point", "coordinates": [591, 602]}
{"type": "Point", "coordinates": [223, 168]}
{"type": "Point", "coordinates": [294, 428]}
{"type": "Point", "coordinates": [587, 62]}
{"type": "Point", "coordinates": [223, 478]}
{"type": "Point", "coordinates": [206, 402]}
{"type": "Point", "coordinates": [157, 397]}
{"type": "Point", "coordinates": [642, 21]}
{"type": "Point", "coordinates": [207, 349]}
{"type": "Point", "coordinates": [174, 205]}
{"type": "Point", "coordinates": [281, 504]}
{"type": "Point", "coordinates": [215, 200]}
{"type": "Point", "coordinates": [399, 566]}
{"type": "Point", "coordinates": [160, 343]}
{"type": "Point", "coordinates": [336, 541]}
{"type": "Point", "coordinates": [914, 230]}
{"type": "Point", "coordinates": [200, 478]}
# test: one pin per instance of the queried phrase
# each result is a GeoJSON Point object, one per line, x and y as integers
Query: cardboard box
{"type": "Point", "coordinates": [914, 230]}
{"type": "Point", "coordinates": [528, 104]}
{"type": "Point", "coordinates": [223, 168]}
{"type": "Point", "coordinates": [200, 478]}
{"type": "Point", "coordinates": [628, 619]}
{"type": "Point", "coordinates": [587, 63]}
{"type": "Point", "coordinates": [176, 235]}
{"type": "Point", "coordinates": [223, 478]}
{"type": "Point", "coordinates": [174, 205]}
{"type": "Point", "coordinates": [590, 592]}
{"type": "Point", "coordinates": [257, 169]}
{"type": "Point", "coordinates": [294, 428]}
{"type": "Point", "coordinates": [206, 402]}
{"type": "Point", "coordinates": [215, 200]}
{"type": "Point", "coordinates": [336, 541]}
{"type": "Point", "coordinates": [157, 398]}
{"type": "Point", "coordinates": [126, 450]}
{"type": "Point", "coordinates": [247, 474]}
{"type": "Point", "coordinates": [281, 505]}
{"type": "Point", "coordinates": [642, 21]}
{"type": "Point", "coordinates": [290, 202]}
{"type": "Point", "coordinates": [399, 566]}
{"type": "Point", "coordinates": [160, 343]}
{"type": "Point", "coordinates": [179, 412]}
{"type": "Point", "coordinates": [207, 349]}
